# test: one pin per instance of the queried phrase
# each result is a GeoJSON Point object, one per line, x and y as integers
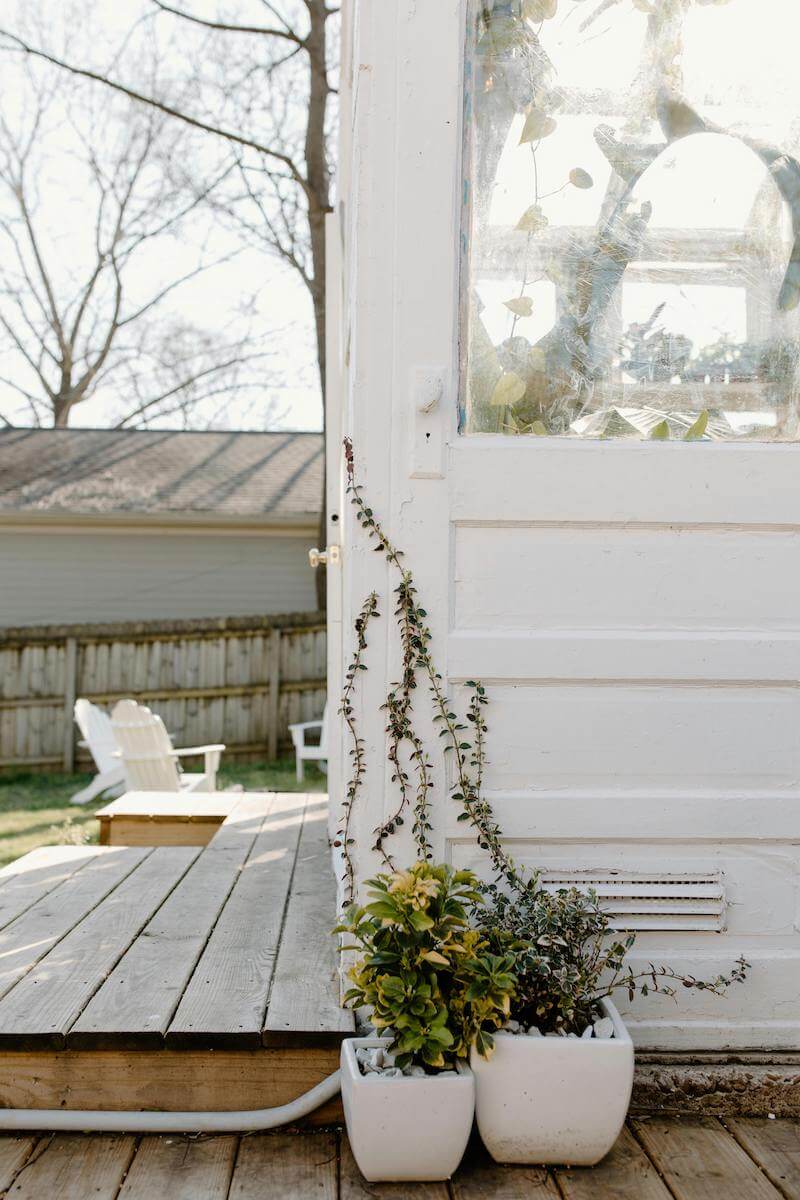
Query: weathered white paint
{"type": "Point", "coordinates": [77, 575]}
{"type": "Point", "coordinates": [632, 607]}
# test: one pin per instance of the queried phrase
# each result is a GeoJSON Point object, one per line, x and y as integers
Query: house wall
{"type": "Point", "coordinates": [73, 575]}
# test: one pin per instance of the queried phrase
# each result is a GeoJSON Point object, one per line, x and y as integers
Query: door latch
{"type": "Point", "coordinates": [321, 558]}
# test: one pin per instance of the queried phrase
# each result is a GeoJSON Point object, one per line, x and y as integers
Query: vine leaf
{"type": "Point", "coordinates": [696, 431]}
{"type": "Point", "coordinates": [508, 389]}
{"type": "Point", "coordinates": [520, 306]}
{"type": "Point", "coordinates": [580, 178]}
{"type": "Point", "coordinates": [532, 220]}
{"type": "Point", "coordinates": [539, 10]}
{"type": "Point", "coordinates": [660, 432]}
{"type": "Point", "coordinates": [537, 126]}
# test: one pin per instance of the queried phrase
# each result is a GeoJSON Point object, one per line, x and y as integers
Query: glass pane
{"type": "Point", "coordinates": [632, 210]}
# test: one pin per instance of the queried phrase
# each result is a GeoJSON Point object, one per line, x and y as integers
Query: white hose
{"type": "Point", "coordinates": [98, 1121]}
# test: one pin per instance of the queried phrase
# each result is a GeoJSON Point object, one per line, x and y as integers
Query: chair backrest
{"type": "Point", "coordinates": [146, 748]}
{"type": "Point", "coordinates": [96, 730]}
{"type": "Point", "coordinates": [323, 733]}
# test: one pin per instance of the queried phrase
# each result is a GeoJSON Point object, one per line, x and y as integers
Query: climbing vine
{"type": "Point", "coordinates": [464, 740]}
{"type": "Point", "coordinates": [342, 839]}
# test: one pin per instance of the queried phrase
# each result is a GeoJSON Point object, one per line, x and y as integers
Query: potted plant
{"type": "Point", "coordinates": [435, 993]}
{"type": "Point", "coordinates": [559, 1083]}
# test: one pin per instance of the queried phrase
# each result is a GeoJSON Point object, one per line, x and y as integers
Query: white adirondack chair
{"type": "Point", "coordinates": [317, 753]}
{"type": "Point", "coordinates": [151, 761]}
{"type": "Point", "coordinates": [98, 736]}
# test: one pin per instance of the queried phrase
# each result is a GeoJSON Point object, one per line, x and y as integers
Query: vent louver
{"type": "Point", "coordinates": [636, 900]}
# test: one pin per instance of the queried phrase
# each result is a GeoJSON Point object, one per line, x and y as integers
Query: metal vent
{"type": "Point", "coordinates": [635, 900]}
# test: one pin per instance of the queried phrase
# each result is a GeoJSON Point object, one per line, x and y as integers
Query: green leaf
{"type": "Point", "coordinates": [661, 432]}
{"type": "Point", "coordinates": [508, 390]}
{"type": "Point", "coordinates": [520, 306]}
{"type": "Point", "coordinates": [695, 432]}
{"type": "Point", "coordinates": [420, 921]}
{"type": "Point", "coordinates": [537, 125]}
{"type": "Point", "coordinates": [539, 428]}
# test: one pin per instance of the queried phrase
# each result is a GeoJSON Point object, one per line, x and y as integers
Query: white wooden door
{"type": "Point", "coordinates": [632, 606]}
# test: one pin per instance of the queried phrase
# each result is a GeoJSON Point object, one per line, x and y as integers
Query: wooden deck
{"type": "Point", "coordinates": [748, 1159]}
{"type": "Point", "coordinates": [180, 977]}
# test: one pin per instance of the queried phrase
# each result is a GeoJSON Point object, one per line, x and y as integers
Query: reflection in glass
{"type": "Point", "coordinates": [632, 205]}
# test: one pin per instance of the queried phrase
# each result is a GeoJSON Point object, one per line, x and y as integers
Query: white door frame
{"type": "Point", "coordinates": [742, 812]}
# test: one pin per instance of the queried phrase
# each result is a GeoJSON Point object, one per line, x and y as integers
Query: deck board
{"type": "Point", "coordinates": [286, 1167]}
{"type": "Point", "coordinates": [225, 1001]}
{"type": "Point", "coordinates": [31, 936]}
{"type": "Point", "coordinates": [775, 1146]}
{"type": "Point", "coordinates": [14, 1153]}
{"type": "Point", "coordinates": [74, 1167]}
{"type": "Point", "coordinates": [304, 1003]}
{"type": "Point", "coordinates": [181, 1169]}
{"type": "Point", "coordinates": [699, 1159]}
{"type": "Point", "coordinates": [28, 879]}
{"type": "Point", "coordinates": [625, 1174]}
{"type": "Point", "coordinates": [44, 1005]}
{"type": "Point", "coordinates": [138, 1000]}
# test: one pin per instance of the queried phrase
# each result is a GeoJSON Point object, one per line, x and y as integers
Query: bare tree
{"type": "Point", "coordinates": [278, 85]}
{"type": "Point", "coordinates": [87, 297]}
{"type": "Point", "coordinates": [264, 72]}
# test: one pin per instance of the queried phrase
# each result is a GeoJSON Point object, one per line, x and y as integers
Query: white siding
{"type": "Point", "coordinates": [75, 577]}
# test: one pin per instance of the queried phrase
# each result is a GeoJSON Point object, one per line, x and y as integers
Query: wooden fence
{"type": "Point", "coordinates": [239, 680]}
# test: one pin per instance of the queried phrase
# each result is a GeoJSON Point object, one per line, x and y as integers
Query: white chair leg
{"type": "Point", "coordinates": [101, 783]}
{"type": "Point", "coordinates": [299, 762]}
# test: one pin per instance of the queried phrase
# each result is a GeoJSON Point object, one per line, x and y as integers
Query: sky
{"type": "Point", "coordinates": [277, 303]}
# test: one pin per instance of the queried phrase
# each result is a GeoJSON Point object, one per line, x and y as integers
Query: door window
{"type": "Point", "coordinates": [632, 219]}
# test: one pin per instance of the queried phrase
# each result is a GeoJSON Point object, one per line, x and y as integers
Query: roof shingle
{"type": "Point", "coordinates": [158, 472]}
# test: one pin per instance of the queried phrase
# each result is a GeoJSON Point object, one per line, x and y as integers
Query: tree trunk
{"type": "Point", "coordinates": [318, 194]}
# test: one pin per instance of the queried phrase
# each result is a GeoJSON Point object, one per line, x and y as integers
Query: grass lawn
{"type": "Point", "coordinates": [35, 808]}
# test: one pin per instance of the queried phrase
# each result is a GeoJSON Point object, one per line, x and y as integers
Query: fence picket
{"type": "Point", "coordinates": [238, 680]}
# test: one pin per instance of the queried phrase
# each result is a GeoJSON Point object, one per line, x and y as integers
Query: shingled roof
{"type": "Point", "coordinates": [120, 472]}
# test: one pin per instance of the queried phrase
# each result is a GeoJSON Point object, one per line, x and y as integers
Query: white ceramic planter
{"type": "Point", "coordinates": [554, 1100]}
{"type": "Point", "coordinates": [405, 1129]}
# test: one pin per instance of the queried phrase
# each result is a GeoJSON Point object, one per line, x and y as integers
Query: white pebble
{"type": "Point", "coordinates": [604, 1028]}
{"type": "Point", "coordinates": [588, 1032]}
{"type": "Point", "coordinates": [416, 1072]}
{"type": "Point", "coordinates": [534, 1031]}
{"type": "Point", "coordinates": [512, 1027]}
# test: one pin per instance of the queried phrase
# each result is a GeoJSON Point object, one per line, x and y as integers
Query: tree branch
{"type": "Point", "coordinates": [287, 34]}
{"type": "Point", "coordinates": [194, 122]}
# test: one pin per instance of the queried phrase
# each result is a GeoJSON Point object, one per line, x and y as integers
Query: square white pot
{"type": "Point", "coordinates": [554, 1100]}
{"type": "Point", "coordinates": [404, 1129]}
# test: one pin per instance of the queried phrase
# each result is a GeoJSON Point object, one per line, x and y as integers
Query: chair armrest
{"type": "Point", "coordinates": [307, 725]}
{"type": "Point", "coordinates": [198, 749]}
